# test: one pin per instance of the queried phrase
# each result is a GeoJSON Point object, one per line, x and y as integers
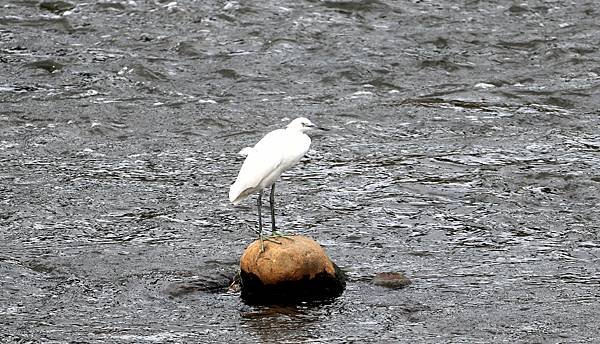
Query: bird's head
{"type": "Point", "coordinates": [302, 124]}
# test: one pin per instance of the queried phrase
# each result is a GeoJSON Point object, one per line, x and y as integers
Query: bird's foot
{"type": "Point", "coordinates": [268, 238]}
{"type": "Point", "coordinates": [276, 234]}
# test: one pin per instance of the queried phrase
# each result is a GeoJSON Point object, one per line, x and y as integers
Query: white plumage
{"type": "Point", "coordinates": [275, 153]}
{"type": "Point", "coordinates": [270, 157]}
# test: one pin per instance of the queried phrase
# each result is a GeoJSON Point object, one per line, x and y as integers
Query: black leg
{"type": "Point", "coordinates": [272, 202]}
{"type": "Point", "coordinates": [259, 214]}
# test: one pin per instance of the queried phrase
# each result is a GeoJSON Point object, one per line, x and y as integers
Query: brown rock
{"type": "Point", "coordinates": [295, 258]}
{"type": "Point", "coordinates": [295, 269]}
{"type": "Point", "coordinates": [392, 280]}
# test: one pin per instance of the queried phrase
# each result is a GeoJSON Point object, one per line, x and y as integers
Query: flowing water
{"type": "Point", "coordinates": [464, 151]}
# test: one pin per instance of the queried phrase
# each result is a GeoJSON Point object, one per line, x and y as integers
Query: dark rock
{"type": "Point", "coordinates": [50, 66]}
{"type": "Point", "coordinates": [56, 6]}
{"type": "Point", "coordinates": [213, 281]}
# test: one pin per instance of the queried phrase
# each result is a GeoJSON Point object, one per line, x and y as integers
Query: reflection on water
{"type": "Point", "coordinates": [463, 153]}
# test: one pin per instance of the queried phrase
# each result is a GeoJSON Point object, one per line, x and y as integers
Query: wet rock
{"type": "Point", "coordinates": [56, 6]}
{"type": "Point", "coordinates": [187, 49]}
{"type": "Point", "coordinates": [111, 5]}
{"type": "Point", "coordinates": [50, 66]}
{"type": "Point", "coordinates": [147, 73]}
{"type": "Point", "coordinates": [392, 280]}
{"type": "Point", "coordinates": [213, 281]}
{"type": "Point", "coordinates": [296, 269]}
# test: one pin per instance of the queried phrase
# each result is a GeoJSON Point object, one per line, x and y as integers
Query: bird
{"type": "Point", "coordinates": [274, 154]}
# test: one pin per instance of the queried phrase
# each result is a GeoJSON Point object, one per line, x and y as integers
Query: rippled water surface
{"type": "Point", "coordinates": [464, 152]}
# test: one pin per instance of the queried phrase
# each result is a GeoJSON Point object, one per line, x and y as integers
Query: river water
{"type": "Point", "coordinates": [463, 152]}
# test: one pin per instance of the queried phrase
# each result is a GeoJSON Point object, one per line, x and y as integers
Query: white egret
{"type": "Point", "coordinates": [275, 153]}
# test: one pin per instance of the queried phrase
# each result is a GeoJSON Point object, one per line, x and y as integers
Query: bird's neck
{"type": "Point", "coordinates": [295, 131]}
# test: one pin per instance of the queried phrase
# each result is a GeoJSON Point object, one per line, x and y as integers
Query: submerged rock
{"type": "Point", "coordinates": [56, 6]}
{"type": "Point", "coordinates": [216, 279]}
{"type": "Point", "coordinates": [392, 280]}
{"type": "Point", "coordinates": [50, 66]}
{"type": "Point", "coordinates": [295, 269]}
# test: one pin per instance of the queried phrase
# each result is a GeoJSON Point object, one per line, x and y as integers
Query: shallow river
{"type": "Point", "coordinates": [464, 151]}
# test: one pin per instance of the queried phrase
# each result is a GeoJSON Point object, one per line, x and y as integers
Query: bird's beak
{"type": "Point", "coordinates": [321, 128]}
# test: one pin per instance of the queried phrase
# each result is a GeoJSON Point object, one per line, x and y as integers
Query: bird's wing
{"type": "Point", "coordinates": [271, 140]}
{"type": "Point", "coordinates": [259, 164]}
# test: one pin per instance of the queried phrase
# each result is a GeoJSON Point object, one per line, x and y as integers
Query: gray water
{"type": "Point", "coordinates": [464, 152]}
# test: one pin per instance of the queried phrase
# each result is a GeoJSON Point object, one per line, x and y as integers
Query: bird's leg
{"type": "Point", "coordinates": [260, 236]}
{"type": "Point", "coordinates": [259, 214]}
{"type": "Point", "coordinates": [272, 202]}
{"type": "Point", "coordinates": [274, 232]}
